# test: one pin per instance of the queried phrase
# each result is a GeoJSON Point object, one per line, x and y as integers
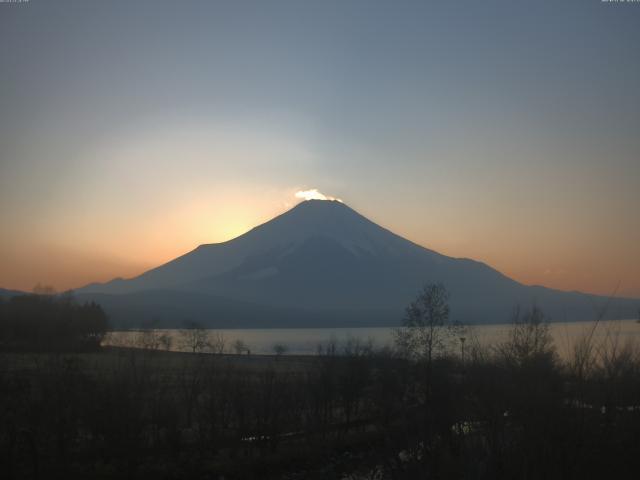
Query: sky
{"type": "Point", "coordinates": [503, 131]}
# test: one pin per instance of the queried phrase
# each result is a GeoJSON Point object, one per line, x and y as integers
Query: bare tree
{"type": "Point", "coordinates": [40, 289]}
{"type": "Point", "coordinates": [194, 337]}
{"type": "Point", "coordinates": [529, 338]}
{"type": "Point", "coordinates": [426, 329]}
{"type": "Point", "coordinates": [165, 341]}
{"type": "Point", "coordinates": [217, 343]}
{"type": "Point", "coordinates": [149, 339]}
{"type": "Point", "coordinates": [239, 346]}
{"type": "Point", "coordinates": [280, 349]}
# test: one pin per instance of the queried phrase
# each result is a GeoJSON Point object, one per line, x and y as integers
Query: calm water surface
{"type": "Point", "coordinates": [305, 341]}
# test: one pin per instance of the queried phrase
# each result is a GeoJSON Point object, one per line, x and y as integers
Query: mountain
{"type": "Point", "coordinates": [321, 263]}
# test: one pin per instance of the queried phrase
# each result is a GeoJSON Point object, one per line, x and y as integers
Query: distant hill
{"type": "Point", "coordinates": [10, 293]}
{"type": "Point", "coordinates": [320, 264]}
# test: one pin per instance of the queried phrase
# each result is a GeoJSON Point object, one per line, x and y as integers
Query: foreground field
{"type": "Point", "coordinates": [113, 358]}
{"type": "Point", "coordinates": [153, 414]}
{"type": "Point", "coordinates": [511, 410]}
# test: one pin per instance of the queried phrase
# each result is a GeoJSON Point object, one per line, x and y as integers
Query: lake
{"type": "Point", "coordinates": [305, 341]}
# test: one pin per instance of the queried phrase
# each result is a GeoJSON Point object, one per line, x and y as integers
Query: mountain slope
{"type": "Point", "coordinates": [10, 293]}
{"type": "Point", "coordinates": [321, 262]}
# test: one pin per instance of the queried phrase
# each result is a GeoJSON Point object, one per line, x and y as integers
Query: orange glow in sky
{"type": "Point", "coordinates": [136, 245]}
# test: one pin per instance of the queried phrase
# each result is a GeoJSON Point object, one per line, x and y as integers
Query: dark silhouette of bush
{"type": "Point", "coordinates": [50, 323]}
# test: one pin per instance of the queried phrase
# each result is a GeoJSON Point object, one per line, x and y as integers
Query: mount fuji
{"type": "Point", "coordinates": [323, 264]}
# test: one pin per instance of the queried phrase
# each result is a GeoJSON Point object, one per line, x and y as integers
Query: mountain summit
{"type": "Point", "coordinates": [322, 263]}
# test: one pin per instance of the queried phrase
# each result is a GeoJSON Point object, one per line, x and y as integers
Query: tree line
{"type": "Point", "coordinates": [45, 322]}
